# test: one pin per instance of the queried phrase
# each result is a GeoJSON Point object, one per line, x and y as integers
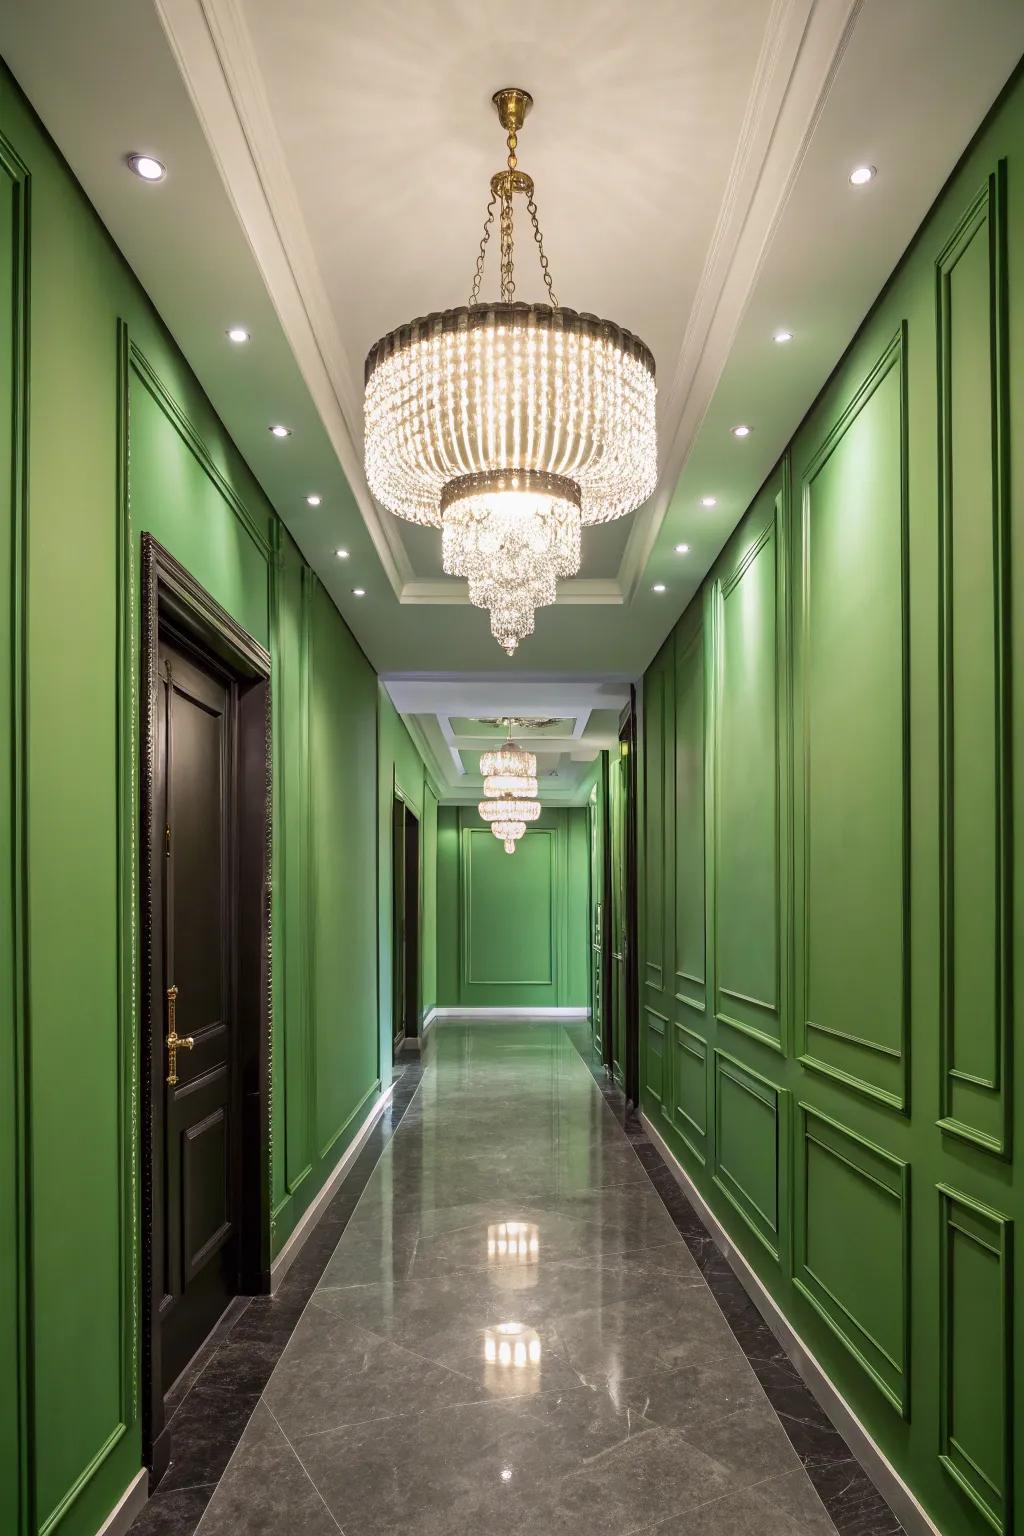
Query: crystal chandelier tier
{"type": "Point", "coordinates": [508, 818]}
{"type": "Point", "coordinates": [510, 426]}
{"type": "Point", "coordinates": [510, 784]}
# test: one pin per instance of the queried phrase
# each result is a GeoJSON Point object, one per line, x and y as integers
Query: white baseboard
{"type": "Point", "coordinates": [429, 1019]}
{"type": "Point", "coordinates": [499, 1015]}
{"type": "Point", "coordinates": [128, 1506]}
{"type": "Point", "coordinates": [910, 1513]}
{"type": "Point", "coordinates": [309, 1218]}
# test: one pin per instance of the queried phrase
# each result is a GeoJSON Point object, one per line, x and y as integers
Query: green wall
{"type": "Point", "coordinates": [539, 896]}
{"type": "Point", "coordinates": [104, 434]}
{"type": "Point", "coordinates": [832, 817]}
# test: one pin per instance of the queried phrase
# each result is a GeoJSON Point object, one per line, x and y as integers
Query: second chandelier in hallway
{"type": "Point", "coordinates": [510, 426]}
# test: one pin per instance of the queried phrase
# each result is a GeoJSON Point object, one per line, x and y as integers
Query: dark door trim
{"type": "Point", "coordinates": [173, 602]}
{"type": "Point", "coordinates": [607, 963]}
{"type": "Point", "coordinates": [631, 1065]}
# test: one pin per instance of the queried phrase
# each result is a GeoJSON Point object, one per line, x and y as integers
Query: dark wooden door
{"type": "Point", "coordinates": [196, 1193]}
{"type": "Point", "coordinates": [398, 921]}
{"type": "Point", "coordinates": [617, 788]}
{"type": "Point", "coordinates": [411, 926]}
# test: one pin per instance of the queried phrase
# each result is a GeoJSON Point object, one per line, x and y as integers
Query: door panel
{"type": "Point", "coordinates": [199, 1205]}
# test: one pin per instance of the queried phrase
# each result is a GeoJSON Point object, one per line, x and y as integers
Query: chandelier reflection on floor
{"type": "Point", "coordinates": [510, 784]}
{"type": "Point", "coordinates": [510, 426]}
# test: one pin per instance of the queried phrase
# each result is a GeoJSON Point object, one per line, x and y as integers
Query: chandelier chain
{"type": "Point", "coordinates": [474, 294]}
{"type": "Point", "coordinates": [531, 208]}
{"type": "Point", "coordinates": [508, 286]}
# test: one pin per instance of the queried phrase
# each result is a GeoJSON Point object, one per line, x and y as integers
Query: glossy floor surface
{"type": "Point", "coordinates": [512, 1335]}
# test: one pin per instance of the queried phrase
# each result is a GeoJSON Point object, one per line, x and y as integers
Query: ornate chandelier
{"type": "Point", "coordinates": [510, 784]}
{"type": "Point", "coordinates": [510, 426]}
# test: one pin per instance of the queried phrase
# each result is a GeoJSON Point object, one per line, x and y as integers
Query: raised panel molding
{"type": "Point", "coordinates": [656, 746]}
{"type": "Point", "coordinates": [689, 1080]}
{"type": "Point", "coordinates": [749, 1148]}
{"type": "Point", "coordinates": [976, 1401]}
{"type": "Point", "coordinates": [853, 927]}
{"type": "Point", "coordinates": [655, 1028]}
{"type": "Point", "coordinates": [689, 948]}
{"type": "Point", "coordinates": [852, 1247]}
{"type": "Point", "coordinates": [17, 1445]}
{"type": "Point", "coordinates": [975, 645]}
{"type": "Point", "coordinates": [749, 745]}
{"type": "Point", "coordinates": [532, 834]}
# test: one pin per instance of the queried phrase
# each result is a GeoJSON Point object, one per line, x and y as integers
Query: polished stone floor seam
{"type": "Point", "coordinates": [213, 1401]}
{"type": "Point", "coordinates": [854, 1504]}
{"type": "Point", "coordinates": [306, 1474]}
{"type": "Point", "coordinates": [511, 1330]}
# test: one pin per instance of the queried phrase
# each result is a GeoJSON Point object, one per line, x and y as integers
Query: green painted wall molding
{"type": "Point", "coordinates": [832, 821]}
{"type": "Point", "coordinates": [113, 439]}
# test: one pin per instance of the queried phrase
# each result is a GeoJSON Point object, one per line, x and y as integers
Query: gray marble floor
{"type": "Point", "coordinates": [512, 1334]}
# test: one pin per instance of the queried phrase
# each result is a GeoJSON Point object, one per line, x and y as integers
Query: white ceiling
{"type": "Point", "coordinates": [328, 170]}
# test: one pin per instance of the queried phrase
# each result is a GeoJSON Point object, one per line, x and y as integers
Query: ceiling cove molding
{"type": "Point", "coordinates": [451, 591]}
{"type": "Point", "coordinates": [435, 773]}
{"type": "Point", "coordinates": [803, 45]}
{"type": "Point", "coordinates": [217, 62]}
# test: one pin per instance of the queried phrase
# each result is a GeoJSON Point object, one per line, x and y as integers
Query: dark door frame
{"type": "Point", "coordinates": [631, 1065]}
{"type": "Point", "coordinates": [173, 603]}
{"type": "Point", "coordinates": [406, 903]}
{"type": "Point", "coordinates": [607, 962]}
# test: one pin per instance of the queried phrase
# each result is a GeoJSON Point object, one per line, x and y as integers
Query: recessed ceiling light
{"type": "Point", "coordinates": [781, 336]}
{"type": "Point", "coordinates": [280, 431]}
{"type": "Point", "coordinates": [358, 591]}
{"type": "Point", "coordinates": [659, 586]}
{"type": "Point", "coordinates": [861, 175]}
{"type": "Point", "coordinates": [682, 549]}
{"type": "Point", "coordinates": [238, 334]}
{"type": "Point", "coordinates": [709, 501]}
{"type": "Point", "coordinates": [741, 431]}
{"type": "Point", "coordinates": [146, 167]}
{"type": "Point", "coordinates": [342, 554]}
{"type": "Point", "coordinates": [313, 501]}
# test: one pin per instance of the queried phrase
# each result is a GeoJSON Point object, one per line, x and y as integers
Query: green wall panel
{"type": "Point", "coordinates": [976, 1447]}
{"type": "Point", "coordinates": [116, 438]}
{"type": "Point", "coordinates": [540, 894]}
{"type": "Point", "coordinates": [852, 744]}
{"type": "Point", "coordinates": [749, 1147]}
{"type": "Point", "coordinates": [342, 690]}
{"type": "Point", "coordinates": [852, 1237]}
{"type": "Point", "coordinates": [506, 896]}
{"type": "Point", "coordinates": [747, 986]}
{"type": "Point", "coordinates": [838, 836]}
{"type": "Point", "coordinates": [977, 860]}
{"type": "Point", "coordinates": [14, 322]}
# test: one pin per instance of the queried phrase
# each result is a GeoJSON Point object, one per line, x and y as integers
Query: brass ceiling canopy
{"type": "Point", "coordinates": [510, 426]}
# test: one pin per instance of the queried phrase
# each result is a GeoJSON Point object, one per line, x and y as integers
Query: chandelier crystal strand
{"type": "Point", "coordinates": [510, 782]}
{"type": "Point", "coordinates": [510, 426]}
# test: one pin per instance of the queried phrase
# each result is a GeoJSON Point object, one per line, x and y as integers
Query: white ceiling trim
{"type": "Point", "coordinates": [215, 55]}
{"type": "Point", "coordinates": [218, 61]}
{"type": "Point", "coordinates": [803, 45]}
{"type": "Point", "coordinates": [449, 590]}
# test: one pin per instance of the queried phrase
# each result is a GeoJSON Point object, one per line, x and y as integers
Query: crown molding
{"type": "Point", "coordinates": [803, 45]}
{"type": "Point", "coordinates": [217, 61]}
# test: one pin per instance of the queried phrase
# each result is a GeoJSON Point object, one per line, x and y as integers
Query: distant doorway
{"type": "Point", "coordinates": [622, 1033]}
{"type": "Point", "coordinates": [206, 983]}
{"type": "Point", "coordinates": [405, 923]}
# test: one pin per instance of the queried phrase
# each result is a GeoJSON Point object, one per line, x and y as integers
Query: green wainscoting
{"type": "Point", "coordinates": [833, 761]}
{"type": "Point", "coordinates": [113, 438]}
{"type": "Point", "coordinates": [512, 930]}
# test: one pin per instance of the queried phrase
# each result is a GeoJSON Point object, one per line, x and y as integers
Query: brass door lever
{"type": "Point", "coordinates": [175, 1042]}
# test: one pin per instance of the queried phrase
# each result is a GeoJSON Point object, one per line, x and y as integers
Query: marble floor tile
{"type": "Point", "coordinates": [511, 1318]}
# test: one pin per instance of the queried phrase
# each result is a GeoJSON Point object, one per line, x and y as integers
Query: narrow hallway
{"type": "Point", "coordinates": [512, 1333]}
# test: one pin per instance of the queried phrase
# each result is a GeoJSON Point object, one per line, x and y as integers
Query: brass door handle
{"type": "Point", "coordinates": [175, 1042]}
